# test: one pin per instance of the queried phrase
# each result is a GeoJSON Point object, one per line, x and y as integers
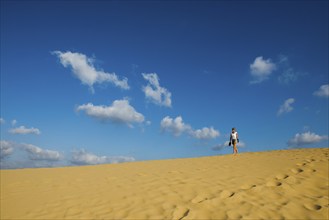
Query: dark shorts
{"type": "Point", "coordinates": [233, 141]}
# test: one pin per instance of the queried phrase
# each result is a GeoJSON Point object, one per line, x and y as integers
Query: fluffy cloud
{"type": "Point", "coordinates": [205, 133]}
{"type": "Point", "coordinates": [323, 91]}
{"type": "Point", "coordinates": [24, 130]}
{"type": "Point", "coordinates": [305, 139]}
{"type": "Point", "coordinates": [84, 70]}
{"type": "Point", "coordinates": [37, 153]}
{"type": "Point", "coordinates": [218, 147]}
{"type": "Point", "coordinates": [261, 69]}
{"type": "Point", "coordinates": [2, 121]}
{"type": "Point", "coordinates": [286, 106]}
{"type": "Point", "coordinates": [119, 112]}
{"type": "Point", "coordinates": [31, 156]}
{"type": "Point", "coordinates": [241, 144]}
{"type": "Point", "coordinates": [154, 92]}
{"type": "Point", "coordinates": [177, 127]}
{"type": "Point", "coordinates": [288, 76]}
{"type": "Point", "coordinates": [81, 157]}
{"type": "Point", "coordinates": [6, 148]}
{"type": "Point", "coordinates": [222, 146]}
{"type": "Point", "coordinates": [28, 163]}
{"type": "Point", "coordinates": [14, 122]}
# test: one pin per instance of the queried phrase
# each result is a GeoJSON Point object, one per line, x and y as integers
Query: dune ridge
{"type": "Point", "coordinates": [282, 184]}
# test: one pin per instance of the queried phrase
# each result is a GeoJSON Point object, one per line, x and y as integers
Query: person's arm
{"type": "Point", "coordinates": [237, 137]}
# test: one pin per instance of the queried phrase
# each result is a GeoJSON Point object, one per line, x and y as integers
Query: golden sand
{"type": "Point", "coordinates": [284, 184]}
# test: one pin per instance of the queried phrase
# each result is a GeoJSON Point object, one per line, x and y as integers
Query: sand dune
{"type": "Point", "coordinates": [286, 184]}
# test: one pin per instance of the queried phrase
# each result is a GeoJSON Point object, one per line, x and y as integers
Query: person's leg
{"type": "Point", "coordinates": [235, 150]}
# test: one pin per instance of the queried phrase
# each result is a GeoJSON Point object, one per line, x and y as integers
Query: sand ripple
{"type": "Point", "coordinates": [282, 184]}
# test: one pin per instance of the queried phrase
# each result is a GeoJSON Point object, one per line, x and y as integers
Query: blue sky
{"type": "Point", "coordinates": [89, 82]}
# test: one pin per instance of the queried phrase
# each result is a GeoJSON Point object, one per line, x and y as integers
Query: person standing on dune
{"type": "Point", "coordinates": [234, 139]}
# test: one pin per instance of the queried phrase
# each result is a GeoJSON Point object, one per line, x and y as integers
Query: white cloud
{"type": "Point", "coordinates": [34, 157]}
{"type": "Point", "coordinates": [6, 148]}
{"type": "Point", "coordinates": [323, 91]}
{"type": "Point", "coordinates": [24, 130]}
{"type": "Point", "coordinates": [205, 133]}
{"type": "Point", "coordinates": [218, 147]}
{"type": "Point", "coordinates": [119, 112]}
{"type": "Point", "coordinates": [306, 138]}
{"type": "Point", "coordinates": [177, 127]}
{"type": "Point", "coordinates": [37, 153]}
{"type": "Point", "coordinates": [286, 106]}
{"type": "Point", "coordinates": [288, 76]}
{"type": "Point", "coordinates": [28, 163]}
{"type": "Point", "coordinates": [14, 122]}
{"type": "Point", "coordinates": [222, 146]}
{"type": "Point", "coordinates": [241, 144]}
{"type": "Point", "coordinates": [2, 121]}
{"type": "Point", "coordinates": [37, 157]}
{"type": "Point", "coordinates": [153, 91]}
{"type": "Point", "coordinates": [84, 70]}
{"type": "Point", "coordinates": [261, 69]}
{"type": "Point", "coordinates": [283, 60]}
{"type": "Point", "coordinates": [81, 157]}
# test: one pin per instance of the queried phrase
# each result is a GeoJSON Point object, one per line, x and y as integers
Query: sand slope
{"type": "Point", "coordinates": [291, 184]}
